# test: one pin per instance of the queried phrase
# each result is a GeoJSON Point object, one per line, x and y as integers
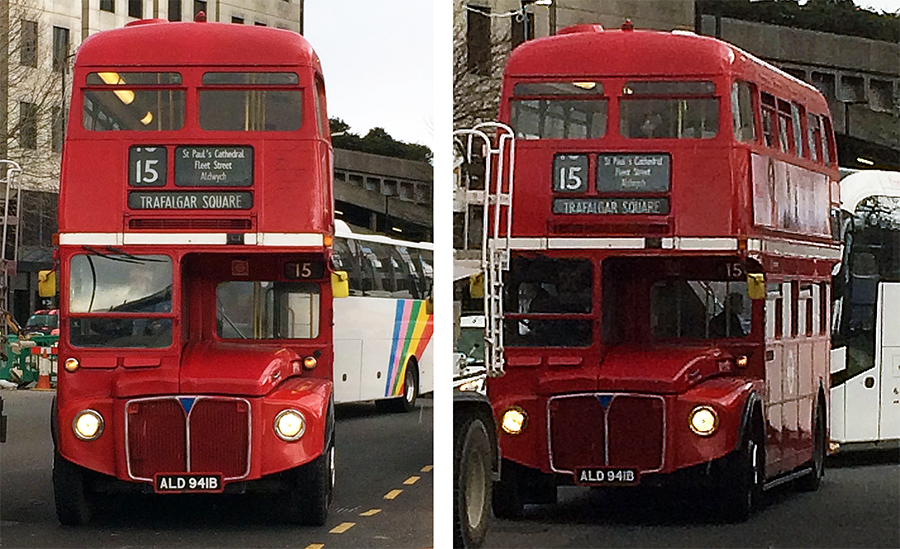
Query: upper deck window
{"type": "Point", "coordinates": [251, 102]}
{"type": "Point", "coordinates": [575, 110]}
{"type": "Point", "coordinates": [742, 111]}
{"type": "Point", "coordinates": [669, 110]}
{"type": "Point", "coordinates": [135, 101]}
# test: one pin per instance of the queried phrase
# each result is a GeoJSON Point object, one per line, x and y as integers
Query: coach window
{"type": "Point", "coordinates": [345, 259]}
{"type": "Point", "coordinates": [136, 101]}
{"type": "Point", "coordinates": [559, 110]}
{"type": "Point", "coordinates": [409, 285]}
{"type": "Point", "coordinates": [742, 111]}
{"type": "Point", "coordinates": [251, 101]}
{"type": "Point", "coordinates": [665, 110]}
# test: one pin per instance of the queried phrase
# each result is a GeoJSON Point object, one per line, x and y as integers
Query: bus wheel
{"type": "Point", "coordinates": [312, 489]}
{"type": "Point", "coordinates": [744, 475]}
{"type": "Point", "coordinates": [506, 498]}
{"type": "Point", "coordinates": [471, 481]}
{"type": "Point", "coordinates": [74, 502]}
{"type": "Point", "coordinates": [407, 402]}
{"type": "Point", "coordinates": [812, 481]}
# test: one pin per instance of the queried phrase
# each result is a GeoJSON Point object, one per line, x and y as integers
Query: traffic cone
{"type": "Point", "coordinates": [43, 383]}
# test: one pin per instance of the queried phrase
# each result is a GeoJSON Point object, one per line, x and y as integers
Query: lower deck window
{"type": "Point", "coordinates": [267, 310]}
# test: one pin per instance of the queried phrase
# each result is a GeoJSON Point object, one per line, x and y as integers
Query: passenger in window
{"type": "Point", "coordinates": [728, 323]}
{"type": "Point", "coordinates": [652, 125]}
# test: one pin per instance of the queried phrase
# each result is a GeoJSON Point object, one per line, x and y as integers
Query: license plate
{"type": "Point", "coordinates": [606, 476]}
{"type": "Point", "coordinates": [187, 483]}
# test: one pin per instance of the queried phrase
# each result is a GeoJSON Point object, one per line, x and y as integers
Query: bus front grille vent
{"type": "Point", "coordinates": [188, 434]}
{"type": "Point", "coordinates": [190, 224]}
{"type": "Point", "coordinates": [607, 430]}
{"type": "Point", "coordinates": [609, 229]}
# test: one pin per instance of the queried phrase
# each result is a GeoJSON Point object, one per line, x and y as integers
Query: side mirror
{"type": "Point", "coordinates": [340, 284]}
{"type": "Point", "coordinates": [476, 286]}
{"type": "Point", "coordinates": [46, 283]}
{"type": "Point", "coordinates": [756, 286]}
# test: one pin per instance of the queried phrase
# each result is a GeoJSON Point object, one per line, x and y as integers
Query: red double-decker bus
{"type": "Point", "coordinates": [196, 224]}
{"type": "Point", "coordinates": [666, 255]}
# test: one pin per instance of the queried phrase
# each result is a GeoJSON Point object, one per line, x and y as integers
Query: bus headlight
{"type": "Point", "coordinates": [703, 421]}
{"type": "Point", "coordinates": [88, 425]}
{"type": "Point", "coordinates": [290, 425]}
{"type": "Point", "coordinates": [513, 420]}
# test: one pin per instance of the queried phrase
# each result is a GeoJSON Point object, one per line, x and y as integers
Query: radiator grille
{"type": "Point", "coordinates": [606, 429]}
{"type": "Point", "coordinates": [160, 431]}
{"type": "Point", "coordinates": [207, 223]}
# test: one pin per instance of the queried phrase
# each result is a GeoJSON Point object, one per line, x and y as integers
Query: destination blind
{"type": "Point", "coordinates": [161, 200]}
{"type": "Point", "coordinates": [213, 166]}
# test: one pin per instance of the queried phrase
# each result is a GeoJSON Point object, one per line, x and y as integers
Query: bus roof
{"type": "Point", "coordinates": [156, 42]}
{"type": "Point", "coordinates": [686, 53]}
{"type": "Point", "coordinates": [862, 184]}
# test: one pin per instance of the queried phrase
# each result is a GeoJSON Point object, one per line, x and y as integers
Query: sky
{"type": "Point", "coordinates": [377, 57]}
{"type": "Point", "coordinates": [879, 6]}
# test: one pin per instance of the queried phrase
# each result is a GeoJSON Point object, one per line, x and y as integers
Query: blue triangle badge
{"type": "Point", "coordinates": [187, 403]}
{"type": "Point", "coordinates": [604, 400]}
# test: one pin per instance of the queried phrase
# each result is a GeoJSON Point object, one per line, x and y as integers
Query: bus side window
{"type": "Point", "coordinates": [742, 111]}
{"type": "Point", "coordinates": [368, 265]}
{"type": "Point", "coordinates": [796, 116]}
{"type": "Point", "coordinates": [384, 267]}
{"type": "Point", "coordinates": [408, 281]}
{"type": "Point", "coordinates": [823, 308]}
{"type": "Point", "coordinates": [425, 265]}
{"type": "Point", "coordinates": [785, 129]}
{"type": "Point", "coordinates": [768, 119]}
{"type": "Point", "coordinates": [774, 312]}
{"type": "Point", "coordinates": [321, 117]}
{"type": "Point", "coordinates": [813, 136]}
{"type": "Point", "coordinates": [828, 151]}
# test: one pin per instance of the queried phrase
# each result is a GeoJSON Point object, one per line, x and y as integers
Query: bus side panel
{"type": "Point", "coordinates": [348, 355]}
{"type": "Point", "coordinates": [836, 416]}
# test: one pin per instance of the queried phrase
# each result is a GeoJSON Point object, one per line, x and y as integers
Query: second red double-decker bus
{"type": "Point", "coordinates": [669, 251]}
{"type": "Point", "coordinates": [196, 223]}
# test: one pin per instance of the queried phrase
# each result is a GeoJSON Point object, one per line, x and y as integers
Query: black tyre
{"type": "Point", "coordinates": [310, 494]}
{"type": "Point", "coordinates": [406, 402]}
{"type": "Point", "coordinates": [471, 481]}
{"type": "Point", "coordinates": [74, 501]}
{"type": "Point", "coordinates": [812, 481]}
{"type": "Point", "coordinates": [506, 498]}
{"type": "Point", "coordinates": [743, 478]}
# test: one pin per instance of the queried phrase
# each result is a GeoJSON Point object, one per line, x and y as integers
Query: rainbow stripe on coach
{"type": "Point", "coordinates": [413, 327]}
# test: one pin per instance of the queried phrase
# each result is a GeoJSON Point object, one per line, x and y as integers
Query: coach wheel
{"type": "Point", "coordinates": [74, 502]}
{"type": "Point", "coordinates": [506, 499]}
{"type": "Point", "coordinates": [743, 478]}
{"type": "Point", "coordinates": [471, 482]}
{"type": "Point", "coordinates": [407, 402]}
{"type": "Point", "coordinates": [812, 481]}
{"type": "Point", "coordinates": [311, 493]}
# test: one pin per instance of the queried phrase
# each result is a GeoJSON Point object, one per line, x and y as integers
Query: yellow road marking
{"type": "Point", "coordinates": [427, 468]}
{"type": "Point", "coordinates": [392, 494]}
{"type": "Point", "coordinates": [342, 527]}
{"type": "Point", "coordinates": [370, 512]}
{"type": "Point", "coordinates": [411, 480]}
{"type": "Point", "coordinates": [315, 546]}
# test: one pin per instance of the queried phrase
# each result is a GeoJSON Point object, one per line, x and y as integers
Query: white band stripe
{"type": "Point", "coordinates": [201, 239]}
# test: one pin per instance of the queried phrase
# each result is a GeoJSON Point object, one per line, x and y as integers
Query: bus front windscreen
{"type": "Point", "coordinates": [102, 286]}
{"type": "Point", "coordinates": [267, 310]}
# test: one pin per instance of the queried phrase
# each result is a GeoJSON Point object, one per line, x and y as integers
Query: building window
{"type": "Point", "coordinates": [57, 130]}
{"type": "Point", "coordinates": [199, 5]}
{"type": "Point", "coordinates": [136, 8]}
{"type": "Point", "coordinates": [28, 44]}
{"type": "Point", "coordinates": [478, 40]}
{"type": "Point", "coordinates": [108, 5]}
{"type": "Point", "coordinates": [237, 20]}
{"type": "Point", "coordinates": [27, 125]}
{"type": "Point", "coordinates": [174, 10]}
{"type": "Point", "coordinates": [517, 29]}
{"type": "Point", "coordinates": [259, 24]}
{"type": "Point", "coordinates": [60, 48]}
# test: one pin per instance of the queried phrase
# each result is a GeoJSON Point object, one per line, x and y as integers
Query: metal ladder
{"type": "Point", "coordinates": [498, 155]}
{"type": "Point", "coordinates": [9, 247]}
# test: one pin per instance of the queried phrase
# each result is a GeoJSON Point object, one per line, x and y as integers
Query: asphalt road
{"type": "Point", "coordinates": [378, 456]}
{"type": "Point", "coordinates": [858, 505]}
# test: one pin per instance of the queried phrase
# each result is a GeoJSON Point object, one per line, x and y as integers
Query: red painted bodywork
{"type": "Point", "coordinates": [292, 193]}
{"type": "Point", "coordinates": [711, 195]}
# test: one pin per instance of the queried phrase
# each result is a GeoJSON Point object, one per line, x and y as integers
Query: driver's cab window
{"type": "Point", "coordinates": [700, 309]}
{"type": "Point", "coordinates": [267, 310]}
